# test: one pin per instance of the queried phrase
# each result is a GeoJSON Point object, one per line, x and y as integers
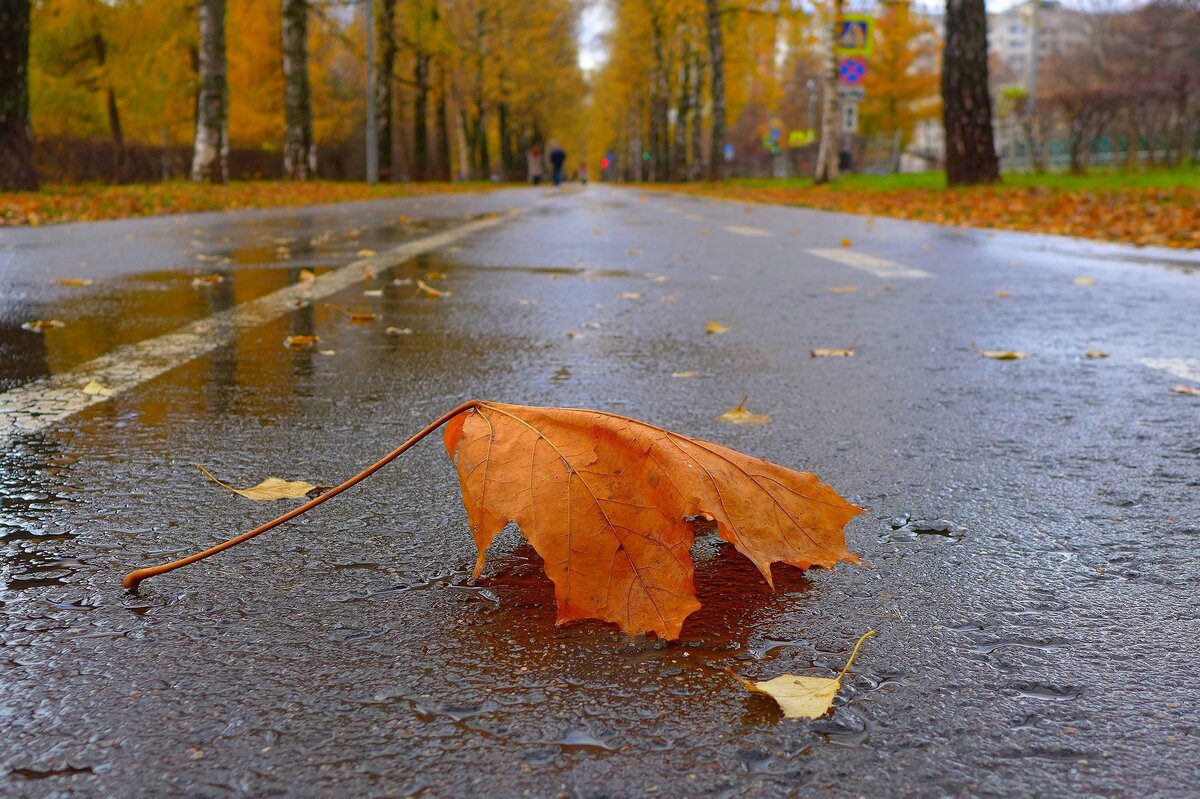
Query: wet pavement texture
{"type": "Point", "coordinates": [1031, 541]}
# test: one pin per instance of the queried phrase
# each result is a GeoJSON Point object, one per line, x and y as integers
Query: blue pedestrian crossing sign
{"type": "Point", "coordinates": [853, 34]}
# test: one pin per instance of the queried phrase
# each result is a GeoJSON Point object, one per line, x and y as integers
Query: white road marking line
{"type": "Point", "coordinates": [879, 267]}
{"type": "Point", "coordinates": [1187, 368]}
{"type": "Point", "coordinates": [742, 230]}
{"type": "Point", "coordinates": [45, 402]}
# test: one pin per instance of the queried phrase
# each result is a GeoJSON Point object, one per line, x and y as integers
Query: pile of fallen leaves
{"type": "Point", "coordinates": [1168, 217]}
{"type": "Point", "coordinates": [88, 203]}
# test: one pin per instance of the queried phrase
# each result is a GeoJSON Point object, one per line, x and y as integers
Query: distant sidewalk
{"type": "Point", "coordinates": [1167, 216]}
{"type": "Point", "coordinates": [90, 203]}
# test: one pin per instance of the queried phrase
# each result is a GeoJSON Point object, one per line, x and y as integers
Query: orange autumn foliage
{"type": "Point", "coordinates": [607, 502]}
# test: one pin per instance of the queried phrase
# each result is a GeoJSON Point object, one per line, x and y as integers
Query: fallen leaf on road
{"type": "Point", "coordinates": [684, 375]}
{"type": "Point", "coordinates": [740, 415]}
{"type": "Point", "coordinates": [633, 251]}
{"type": "Point", "coordinates": [430, 290]}
{"type": "Point", "coordinates": [715, 328]}
{"type": "Point", "coordinates": [631, 295]}
{"type": "Point", "coordinates": [1095, 354]}
{"type": "Point", "coordinates": [801, 697]}
{"type": "Point", "coordinates": [436, 276]}
{"type": "Point", "coordinates": [841, 289]}
{"type": "Point", "coordinates": [1004, 355]}
{"type": "Point", "coordinates": [269, 489]}
{"type": "Point", "coordinates": [527, 302]}
{"type": "Point", "coordinates": [1003, 295]}
{"type": "Point", "coordinates": [373, 293]}
{"type": "Point", "coordinates": [73, 281]}
{"type": "Point", "coordinates": [307, 276]}
{"type": "Point", "coordinates": [42, 325]}
{"type": "Point", "coordinates": [96, 390]}
{"type": "Point", "coordinates": [327, 352]}
{"type": "Point", "coordinates": [300, 342]}
{"type": "Point", "coordinates": [355, 316]}
{"type": "Point", "coordinates": [402, 281]}
{"type": "Point", "coordinates": [827, 353]}
{"type": "Point", "coordinates": [668, 298]}
{"type": "Point", "coordinates": [207, 280]}
{"type": "Point", "coordinates": [1192, 390]}
{"type": "Point", "coordinates": [847, 243]}
{"type": "Point", "coordinates": [365, 253]}
{"type": "Point", "coordinates": [575, 334]}
{"type": "Point", "coordinates": [1084, 281]}
{"type": "Point", "coordinates": [399, 331]}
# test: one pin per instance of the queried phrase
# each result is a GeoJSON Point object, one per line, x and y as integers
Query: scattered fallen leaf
{"type": "Point", "coordinates": [269, 489]}
{"type": "Point", "coordinates": [1095, 354]}
{"type": "Point", "coordinates": [740, 415]}
{"type": "Point", "coordinates": [842, 289]}
{"type": "Point", "coordinates": [355, 316]}
{"type": "Point", "coordinates": [365, 253]}
{"type": "Point", "coordinates": [801, 697]}
{"type": "Point", "coordinates": [633, 251]}
{"type": "Point", "coordinates": [1004, 355]}
{"type": "Point", "coordinates": [828, 353]}
{"type": "Point", "coordinates": [435, 276]}
{"type": "Point", "coordinates": [399, 331]}
{"type": "Point", "coordinates": [657, 278]}
{"type": "Point", "coordinates": [307, 276]}
{"type": "Point", "coordinates": [1084, 281]}
{"type": "Point", "coordinates": [668, 298]}
{"type": "Point", "coordinates": [847, 243]}
{"type": "Point", "coordinates": [527, 302]}
{"type": "Point", "coordinates": [703, 231]}
{"type": "Point", "coordinates": [203, 256]}
{"type": "Point", "coordinates": [592, 325]}
{"type": "Point", "coordinates": [373, 293]}
{"type": "Point", "coordinates": [595, 231]}
{"type": "Point", "coordinates": [402, 281]}
{"type": "Point", "coordinates": [300, 342]}
{"type": "Point", "coordinates": [73, 281]}
{"type": "Point", "coordinates": [715, 328]}
{"type": "Point", "coordinates": [430, 290]}
{"type": "Point", "coordinates": [1003, 295]}
{"type": "Point", "coordinates": [42, 325]}
{"type": "Point", "coordinates": [631, 295]}
{"type": "Point", "coordinates": [207, 280]}
{"type": "Point", "coordinates": [575, 334]}
{"type": "Point", "coordinates": [1192, 390]}
{"type": "Point", "coordinates": [327, 352]}
{"type": "Point", "coordinates": [368, 273]}
{"type": "Point", "coordinates": [96, 390]}
{"type": "Point", "coordinates": [684, 375]}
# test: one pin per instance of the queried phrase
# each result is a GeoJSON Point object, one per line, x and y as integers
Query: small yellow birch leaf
{"type": "Point", "coordinates": [373, 293]}
{"type": "Point", "coordinates": [96, 390]}
{"type": "Point", "coordinates": [684, 375]}
{"type": "Point", "coordinates": [715, 328]}
{"type": "Point", "coordinates": [633, 251]}
{"type": "Point", "coordinates": [300, 342]}
{"type": "Point", "coordinates": [72, 281]}
{"type": "Point", "coordinates": [435, 276]}
{"type": "Point", "coordinates": [307, 276]}
{"type": "Point", "coordinates": [847, 243]}
{"type": "Point", "coordinates": [631, 295]}
{"type": "Point", "coordinates": [802, 697]}
{"type": "Point", "coordinates": [1003, 295]}
{"type": "Point", "coordinates": [42, 325]}
{"type": "Point", "coordinates": [399, 331]}
{"type": "Point", "coordinates": [842, 289]}
{"type": "Point", "coordinates": [1192, 390]}
{"type": "Point", "coordinates": [1095, 354]}
{"type": "Point", "coordinates": [740, 415]}
{"type": "Point", "coordinates": [269, 489]}
{"type": "Point", "coordinates": [365, 253]}
{"type": "Point", "coordinates": [827, 353]}
{"type": "Point", "coordinates": [1004, 355]}
{"type": "Point", "coordinates": [430, 290]}
{"type": "Point", "coordinates": [1084, 281]}
{"type": "Point", "coordinates": [207, 280]}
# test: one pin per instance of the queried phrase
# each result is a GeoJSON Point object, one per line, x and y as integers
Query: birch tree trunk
{"type": "Point", "coordinates": [211, 151]}
{"type": "Point", "coordinates": [299, 149]}
{"type": "Point", "coordinates": [386, 34]}
{"type": "Point", "coordinates": [831, 118]}
{"type": "Point", "coordinates": [966, 103]}
{"type": "Point", "coordinates": [17, 170]}
{"type": "Point", "coordinates": [716, 54]}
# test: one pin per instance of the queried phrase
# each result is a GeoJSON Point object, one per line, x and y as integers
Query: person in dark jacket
{"type": "Point", "coordinates": [557, 158]}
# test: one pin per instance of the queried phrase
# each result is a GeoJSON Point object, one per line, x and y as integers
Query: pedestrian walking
{"type": "Point", "coordinates": [557, 158]}
{"type": "Point", "coordinates": [534, 158]}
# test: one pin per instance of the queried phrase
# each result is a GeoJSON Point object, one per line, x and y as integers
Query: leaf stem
{"type": "Point", "coordinates": [854, 654]}
{"type": "Point", "coordinates": [135, 577]}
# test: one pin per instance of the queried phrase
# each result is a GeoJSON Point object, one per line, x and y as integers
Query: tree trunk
{"type": "Point", "coordinates": [299, 149]}
{"type": "Point", "coordinates": [211, 152]}
{"type": "Point", "coordinates": [716, 54]}
{"type": "Point", "coordinates": [386, 35]}
{"type": "Point", "coordinates": [966, 104]}
{"type": "Point", "coordinates": [421, 117]}
{"type": "Point", "coordinates": [443, 129]}
{"type": "Point", "coordinates": [697, 158]}
{"type": "Point", "coordinates": [679, 151]}
{"type": "Point", "coordinates": [831, 118]}
{"type": "Point", "coordinates": [17, 170]}
{"type": "Point", "coordinates": [507, 160]}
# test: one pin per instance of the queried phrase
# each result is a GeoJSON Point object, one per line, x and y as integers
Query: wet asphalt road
{"type": "Point", "coordinates": [1046, 646]}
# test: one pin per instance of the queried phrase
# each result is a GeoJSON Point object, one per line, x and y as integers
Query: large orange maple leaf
{"type": "Point", "coordinates": [607, 501]}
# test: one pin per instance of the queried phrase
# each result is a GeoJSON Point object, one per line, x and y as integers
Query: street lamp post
{"type": "Point", "coordinates": [372, 124]}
